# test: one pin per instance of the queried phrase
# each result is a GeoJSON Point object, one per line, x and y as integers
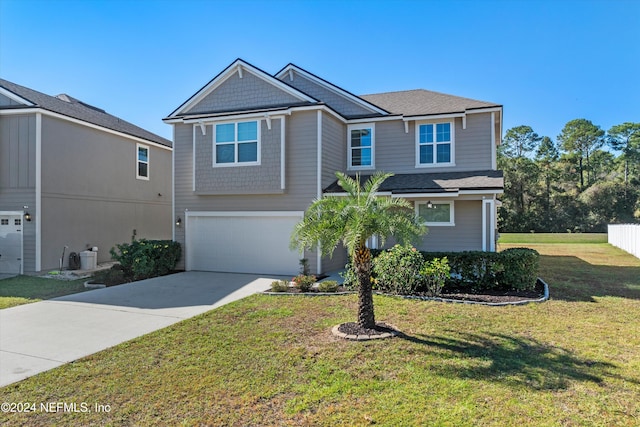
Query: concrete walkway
{"type": "Point", "coordinates": [41, 336]}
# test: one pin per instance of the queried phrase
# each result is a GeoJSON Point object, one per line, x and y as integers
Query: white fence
{"type": "Point", "coordinates": [625, 237]}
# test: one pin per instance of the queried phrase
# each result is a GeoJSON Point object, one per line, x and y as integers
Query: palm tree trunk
{"type": "Point", "coordinates": [362, 266]}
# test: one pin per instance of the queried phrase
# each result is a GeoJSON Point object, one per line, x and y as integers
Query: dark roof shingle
{"type": "Point", "coordinates": [435, 182]}
{"type": "Point", "coordinates": [71, 107]}
{"type": "Point", "coordinates": [420, 102]}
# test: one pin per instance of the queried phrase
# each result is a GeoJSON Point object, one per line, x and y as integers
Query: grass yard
{"type": "Point", "coordinates": [26, 289]}
{"type": "Point", "coordinates": [572, 361]}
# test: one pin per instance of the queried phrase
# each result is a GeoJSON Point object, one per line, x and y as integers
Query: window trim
{"type": "Point", "coordinates": [452, 215]}
{"type": "Point", "coordinates": [452, 158]}
{"type": "Point", "coordinates": [138, 161]}
{"type": "Point", "coordinates": [359, 126]}
{"type": "Point", "coordinates": [235, 143]}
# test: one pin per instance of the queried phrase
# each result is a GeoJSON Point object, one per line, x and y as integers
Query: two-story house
{"type": "Point", "coordinates": [252, 150]}
{"type": "Point", "coordinates": [74, 177]}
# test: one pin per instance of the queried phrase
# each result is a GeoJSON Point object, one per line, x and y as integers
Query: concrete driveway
{"type": "Point", "coordinates": [41, 336]}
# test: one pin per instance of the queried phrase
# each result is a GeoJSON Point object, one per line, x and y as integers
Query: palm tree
{"type": "Point", "coordinates": [353, 219]}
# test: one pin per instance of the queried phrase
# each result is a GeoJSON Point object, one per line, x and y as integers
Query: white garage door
{"type": "Point", "coordinates": [242, 242]}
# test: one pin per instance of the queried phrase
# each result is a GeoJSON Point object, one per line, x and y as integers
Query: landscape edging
{"type": "Point", "coordinates": [544, 298]}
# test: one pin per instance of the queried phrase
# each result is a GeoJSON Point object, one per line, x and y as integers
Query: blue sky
{"type": "Point", "coordinates": [547, 62]}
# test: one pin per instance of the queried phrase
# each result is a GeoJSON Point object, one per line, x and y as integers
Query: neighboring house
{"type": "Point", "coordinates": [73, 175]}
{"type": "Point", "coordinates": [252, 150]}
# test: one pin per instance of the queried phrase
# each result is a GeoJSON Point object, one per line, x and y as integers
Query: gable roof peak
{"type": "Point", "coordinates": [376, 109]}
{"type": "Point", "coordinates": [238, 66]}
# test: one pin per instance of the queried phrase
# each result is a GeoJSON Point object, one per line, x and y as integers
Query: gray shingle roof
{"type": "Point", "coordinates": [71, 107]}
{"type": "Point", "coordinates": [439, 182]}
{"type": "Point", "coordinates": [420, 102]}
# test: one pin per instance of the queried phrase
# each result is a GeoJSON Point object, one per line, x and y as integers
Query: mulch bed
{"type": "Point", "coordinates": [496, 296]}
{"type": "Point", "coordinates": [453, 294]}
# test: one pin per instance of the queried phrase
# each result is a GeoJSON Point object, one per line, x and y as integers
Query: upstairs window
{"type": "Point", "coordinates": [435, 144]}
{"type": "Point", "coordinates": [236, 144]}
{"type": "Point", "coordinates": [436, 213]}
{"type": "Point", "coordinates": [142, 161]}
{"type": "Point", "coordinates": [361, 146]}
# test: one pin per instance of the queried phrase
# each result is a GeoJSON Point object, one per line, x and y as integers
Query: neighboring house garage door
{"type": "Point", "coordinates": [241, 242]}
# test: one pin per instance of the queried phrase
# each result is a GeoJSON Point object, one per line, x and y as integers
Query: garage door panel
{"type": "Point", "coordinates": [242, 244]}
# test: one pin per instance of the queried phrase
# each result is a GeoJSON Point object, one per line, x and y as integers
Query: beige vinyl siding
{"type": "Point", "coordinates": [396, 149]}
{"type": "Point", "coordinates": [465, 236]}
{"type": "Point", "coordinates": [300, 176]}
{"type": "Point", "coordinates": [90, 194]}
{"type": "Point", "coordinates": [248, 92]}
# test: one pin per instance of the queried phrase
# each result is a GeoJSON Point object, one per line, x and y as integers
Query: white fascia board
{"type": "Point", "coordinates": [379, 193]}
{"type": "Point", "coordinates": [425, 195]}
{"type": "Point", "coordinates": [233, 117]}
{"type": "Point", "coordinates": [83, 123]}
{"type": "Point", "coordinates": [273, 114]}
{"type": "Point", "coordinates": [15, 97]}
{"type": "Point", "coordinates": [432, 117]}
{"type": "Point", "coordinates": [483, 110]}
{"type": "Point", "coordinates": [330, 86]}
{"type": "Point", "coordinates": [230, 71]}
{"type": "Point", "coordinates": [487, 192]}
{"type": "Point", "coordinates": [376, 119]}
{"type": "Point", "coordinates": [245, 213]}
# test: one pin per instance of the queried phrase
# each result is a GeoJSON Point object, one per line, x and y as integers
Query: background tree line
{"type": "Point", "coordinates": [581, 182]}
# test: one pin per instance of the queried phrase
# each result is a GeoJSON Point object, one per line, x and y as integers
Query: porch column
{"type": "Point", "coordinates": [488, 225]}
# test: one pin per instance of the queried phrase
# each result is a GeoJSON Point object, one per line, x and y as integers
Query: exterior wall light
{"type": "Point", "coordinates": [178, 222]}
{"type": "Point", "coordinates": [27, 216]}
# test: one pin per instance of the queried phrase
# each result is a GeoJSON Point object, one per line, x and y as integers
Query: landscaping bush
{"type": "Point", "coordinates": [143, 258]}
{"type": "Point", "coordinates": [397, 271]}
{"type": "Point", "coordinates": [304, 282]}
{"type": "Point", "coordinates": [521, 268]}
{"type": "Point", "coordinates": [328, 286]}
{"type": "Point", "coordinates": [434, 275]}
{"type": "Point", "coordinates": [279, 286]}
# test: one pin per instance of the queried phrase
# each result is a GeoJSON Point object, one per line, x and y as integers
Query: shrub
{"type": "Point", "coordinates": [142, 259]}
{"type": "Point", "coordinates": [303, 282]}
{"type": "Point", "coordinates": [328, 286]}
{"type": "Point", "coordinates": [434, 275]}
{"type": "Point", "coordinates": [279, 286]}
{"type": "Point", "coordinates": [521, 268]}
{"type": "Point", "coordinates": [398, 270]}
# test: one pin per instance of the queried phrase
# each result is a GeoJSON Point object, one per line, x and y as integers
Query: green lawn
{"type": "Point", "coordinates": [26, 289]}
{"type": "Point", "coordinates": [271, 360]}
